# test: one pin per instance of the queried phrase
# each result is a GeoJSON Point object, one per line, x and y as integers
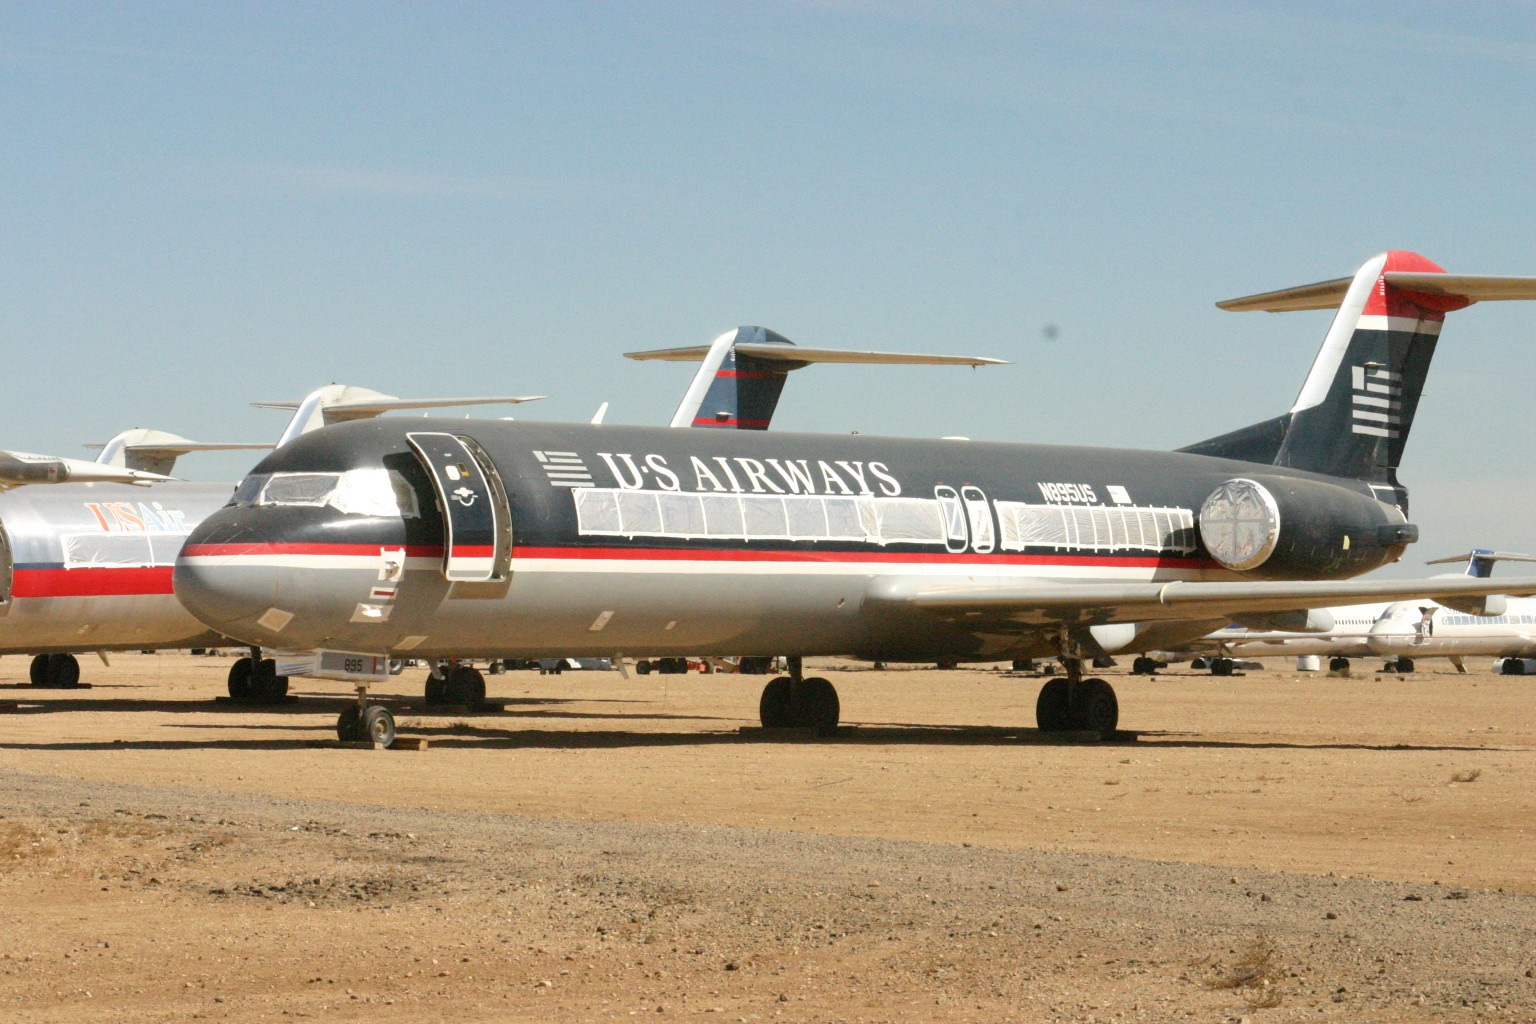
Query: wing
{"type": "Point", "coordinates": [1035, 605]}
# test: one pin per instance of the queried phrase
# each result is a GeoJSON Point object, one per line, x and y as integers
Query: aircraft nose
{"type": "Point", "coordinates": [222, 585]}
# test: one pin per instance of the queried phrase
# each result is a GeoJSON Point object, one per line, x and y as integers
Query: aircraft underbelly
{"type": "Point", "coordinates": [98, 622]}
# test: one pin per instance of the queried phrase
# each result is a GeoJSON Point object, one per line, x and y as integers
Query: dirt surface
{"type": "Point", "coordinates": [1274, 846]}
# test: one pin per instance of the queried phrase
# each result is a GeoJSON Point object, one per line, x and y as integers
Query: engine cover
{"type": "Point", "coordinates": [1275, 527]}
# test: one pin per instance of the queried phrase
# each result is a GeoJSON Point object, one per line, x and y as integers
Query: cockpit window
{"type": "Point", "coordinates": [361, 492]}
{"type": "Point", "coordinates": [248, 490]}
{"type": "Point", "coordinates": [375, 492]}
{"type": "Point", "coordinates": [298, 488]}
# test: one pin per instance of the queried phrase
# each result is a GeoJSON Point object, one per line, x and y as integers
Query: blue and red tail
{"type": "Point", "coordinates": [1357, 405]}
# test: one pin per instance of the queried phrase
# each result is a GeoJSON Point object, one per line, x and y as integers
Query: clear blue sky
{"type": "Point", "coordinates": [209, 204]}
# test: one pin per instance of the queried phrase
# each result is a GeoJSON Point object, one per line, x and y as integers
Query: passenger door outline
{"type": "Point", "coordinates": [477, 524]}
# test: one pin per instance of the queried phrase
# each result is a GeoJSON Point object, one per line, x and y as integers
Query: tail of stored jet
{"type": "Point", "coordinates": [1480, 561]}
{"type": "Point", "coordinates": [741, 374]}
{"type": "Point", "coordinates": [1357, 405]}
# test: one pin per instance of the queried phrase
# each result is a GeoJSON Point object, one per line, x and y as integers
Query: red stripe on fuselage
{"type": "Point", "coordinates": [411, 550]}
{"type": "Point", "coordinates": [93, 582]}
{"type": "Point", "coordinates": [730, 555]}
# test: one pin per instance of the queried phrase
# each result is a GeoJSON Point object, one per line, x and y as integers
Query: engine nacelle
{"type": "Point", "coordinates": [1275, 527]}
{"type": "Point", "coordinates": [1301, 620]}
{"type": "Point", "coordinates": [1488, 604]}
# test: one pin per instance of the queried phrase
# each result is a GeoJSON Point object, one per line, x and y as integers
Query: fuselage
{"type": "Point", "coordinates": [657, 542]}
{"type": "Point", "coordinates": [87, 566]}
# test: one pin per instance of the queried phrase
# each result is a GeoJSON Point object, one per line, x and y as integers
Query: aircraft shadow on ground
{"type": "Point", "coordinates": [463, 727]}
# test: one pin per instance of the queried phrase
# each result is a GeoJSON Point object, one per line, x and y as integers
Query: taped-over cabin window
{"type": "Point", "coordinates": [796, 517]}
{"type": "Point", "coordinates": [120, 550]}
{"type": "Point", "coordinates": [1095, 528]}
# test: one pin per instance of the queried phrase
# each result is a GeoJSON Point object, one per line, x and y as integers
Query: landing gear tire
{"type": "Point", "coordinates": [1222, 666]}
{"type": "Point", "coordinates": [1513, 667]}
{"type": "Point", "coordinates": [267, 687]}
{"type": "Point", "coordinates": [643, 667]}
{"type": "Point", "coordinates": [378, 725]}
{"type": "Point", "coordinates": [349, 724]}
{"type": "Point", "coordinates": [1053, 711]}
{"type": "Point", "coordinates": [1144, 666]}
{"type": "Point", "coordinates": [240, 680]}
{"type": "Point", "coordinates": [435, 690]}
{"type": "Point", "coordinates": [1090, 706]}
{"type": "Point", "coordinates": [1095, 707]}
{"type": "Point", "coordinates": [58, 671]}
{"type": "Point", "coordinates": [774, 709]}
{"type": "Point", "coordinates": [465, 685]}
{"type": "Point", "coordinates": [816, 706]}
{"type": "Point", "coordinates": [809, 704]}
{"type": "Point", "coordinates": [1401, 665]}
{"type": "Point", "coordinates": [1338, 664]}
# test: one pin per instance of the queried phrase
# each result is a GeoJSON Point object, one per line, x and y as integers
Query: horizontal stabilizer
{"type": "Point", "coordinates": [18, 468]}
{"type": "Point", "coordinates": [1485, 556]}
{"type": "Point", "coordinates": [742, 373]}
{"type": "Point", "coordinates": [338, 403]}
{"type": "Point", "coordinates": [1467, 288]}
{"type": "Point", "coordinates": [156, 451]}
{"type": "Point", "coordinates": [797, 354]}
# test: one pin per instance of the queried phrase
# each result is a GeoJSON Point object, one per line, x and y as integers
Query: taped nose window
{"type": "Point", "coordinates": [299, 488]}
{"type": "Point", "coordinates": [375, 492]}
{"type": "Point", "coordinates": [249, 489]}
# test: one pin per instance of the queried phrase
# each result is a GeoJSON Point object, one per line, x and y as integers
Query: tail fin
{"type": "Point", "coordinates": [1357, 405]}
{"type": "Point", "coordinates": [741, 374]}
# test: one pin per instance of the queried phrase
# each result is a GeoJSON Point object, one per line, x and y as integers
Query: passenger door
{"type": "Point", "coordinates": [476, 519]}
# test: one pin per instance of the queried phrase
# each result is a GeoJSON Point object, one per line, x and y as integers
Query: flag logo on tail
{"type": "Point", "coordinates": [1378, 401]}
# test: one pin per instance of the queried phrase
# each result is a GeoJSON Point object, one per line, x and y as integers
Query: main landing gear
{"type": "Point", "coordinates": [1073, 704]}
{"type": "Point", "coordinates": [454, 684]}
{"type": "Point", "coordinates": [792, 701]}
{"type": "Point", "coordinates": [254, 680]}
{"type": "Point", "coordinates": [57, 671]}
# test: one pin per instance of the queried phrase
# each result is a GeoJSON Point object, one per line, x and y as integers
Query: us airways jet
{"type": "Point", "coordinates": [547, 540]}
{"type": "Point", "coordinates": [85, 564]}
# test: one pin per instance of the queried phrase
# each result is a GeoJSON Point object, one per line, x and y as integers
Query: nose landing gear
{"type": "Point", "coordinates": [366, 723]}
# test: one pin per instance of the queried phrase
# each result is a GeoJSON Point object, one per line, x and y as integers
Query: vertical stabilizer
{"type": "Point", "coordinates": [1355, 410]}
{"type": "Point", "coordinates": [1357, 405]}
{"type": "Point", "coordinates": [732, 389]}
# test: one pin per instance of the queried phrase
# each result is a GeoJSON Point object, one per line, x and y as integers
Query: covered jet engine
{"type": "Point", "coordinates": [1274, 527]}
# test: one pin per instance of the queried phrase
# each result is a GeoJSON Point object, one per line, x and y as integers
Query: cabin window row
{"type": "Point", "coordinates": [1096, 528]}
{"type": "Point", "coordinates": [1489, 620]}
{"type": "Point", "coordinates": [868, 519]}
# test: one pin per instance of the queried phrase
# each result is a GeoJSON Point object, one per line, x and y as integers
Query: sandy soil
{"type": "Point", "coordinates": [1276, 846]}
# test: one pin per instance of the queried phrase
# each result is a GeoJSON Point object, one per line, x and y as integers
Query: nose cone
{"type": "Point", "coordinates": [223, 579]}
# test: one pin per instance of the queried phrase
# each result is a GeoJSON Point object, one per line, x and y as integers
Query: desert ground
{"type": "Point", "coordinates": [1272, 846]}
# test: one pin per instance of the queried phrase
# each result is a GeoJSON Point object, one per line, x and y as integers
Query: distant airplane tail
{"type": "Point", "coordinates": [1480, 561]}
{"type": "Point", "coordinates": [741, 374]}
{"type": "Point", "coordinates": [1357, 405]}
